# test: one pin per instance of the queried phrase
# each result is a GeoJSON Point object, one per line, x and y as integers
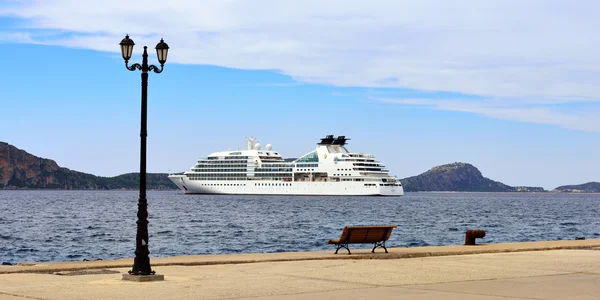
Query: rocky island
{"type": "Point", "coordinates": [459, 177]}
{"type": "Point", "coordinates": [590, 187]}
{"type": "Point", "coordinates": [21, 170]}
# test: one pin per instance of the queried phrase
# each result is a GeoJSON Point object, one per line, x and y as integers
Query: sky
{"type": "Point", "coordinates": [512, 87]}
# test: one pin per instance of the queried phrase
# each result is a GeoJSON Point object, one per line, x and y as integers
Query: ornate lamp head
{"type": "Point", "coordinates": [126, 48]}
{"type": "Point", "coordinates": [162, 49]}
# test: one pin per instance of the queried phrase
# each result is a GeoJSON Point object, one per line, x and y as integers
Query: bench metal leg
{"type": "Point", "coordinates": [340, 246]}
{"type": "Point", "coordinates": [379, 244]}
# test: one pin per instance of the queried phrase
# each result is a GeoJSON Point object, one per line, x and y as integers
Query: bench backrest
{"type": "Point", "coordinates": [366, 234]}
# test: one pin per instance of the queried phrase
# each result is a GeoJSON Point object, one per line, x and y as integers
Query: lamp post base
{"type": "Point", "coordinates": [143, 278]}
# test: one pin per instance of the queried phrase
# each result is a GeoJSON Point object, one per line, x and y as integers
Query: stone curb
{"type": "Point", "coordinates": [358, 254]}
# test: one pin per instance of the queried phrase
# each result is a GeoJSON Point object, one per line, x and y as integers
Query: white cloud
{"type": "Point", "coordinates": [19, 37]}
{"type": "Point", "coordinates": [507, 109]}
{"type": "Point", "coordinates": [543, 50]}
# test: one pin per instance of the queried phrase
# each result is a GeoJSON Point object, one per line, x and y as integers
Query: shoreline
{"type": "Point", "coordinates": [358, 253]}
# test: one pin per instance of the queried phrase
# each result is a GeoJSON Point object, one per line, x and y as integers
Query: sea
{"type": "Point", "coordinates": [45, 226]}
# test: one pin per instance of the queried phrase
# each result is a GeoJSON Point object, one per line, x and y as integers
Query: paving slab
{"type": "Point", "coordinates": [180, 283]}
{"type": "Point", "coordinates": [564, 287]}
{"type": "Point", "coordinates": [519, 275]}
{"type": "Point", "coordinates": [404, 271]}
{"type": "Point", "coordinates": [388, 293]}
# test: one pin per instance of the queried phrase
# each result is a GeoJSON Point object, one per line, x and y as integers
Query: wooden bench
{"type": "Point", "coordinates": [376, 235]}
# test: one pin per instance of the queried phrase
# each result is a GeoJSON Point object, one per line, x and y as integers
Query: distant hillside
{"type": "Point", "coordinates": [460, 177]}
{"type": "Point", "coordinates": [590, 187]}
{"type": "Point", "coordinates": [21, 170]}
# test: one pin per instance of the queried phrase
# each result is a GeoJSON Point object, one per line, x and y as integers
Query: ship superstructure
{"type": "Point", "coordinates": [330, 169]}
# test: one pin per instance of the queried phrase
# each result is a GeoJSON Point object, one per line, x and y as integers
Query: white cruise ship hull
{"type": "Point", "coordinates": [251, 187]}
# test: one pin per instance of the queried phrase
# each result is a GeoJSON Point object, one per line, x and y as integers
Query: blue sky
{"type": "Point", "coordinates": [511, 87]}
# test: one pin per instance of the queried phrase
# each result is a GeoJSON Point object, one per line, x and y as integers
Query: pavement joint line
{"type": "Point", "coordinates": [22, 296]}
{"type": "Point", "coordinates": [478, 294]}
{"type": "Point", "coordinates": [586, 273]}
{"type": "Point", "coordinates": [307, 293]}
{"type": "Point", "coordinates": [36, 286]}
{"type": "Point", "coordinates": [499, 278]}
{"type": "Point", "coordinates": [383, 286]}
{"type": "Point", "coordinates": [488, 279]}
{"type": "Point", "coordinates": [410, 285]}
{"type": "Point", "coordinates": [331, 280]}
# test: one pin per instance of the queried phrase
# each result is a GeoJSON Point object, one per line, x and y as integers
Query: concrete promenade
{"type": "Point", "coordinates": [536, 270]}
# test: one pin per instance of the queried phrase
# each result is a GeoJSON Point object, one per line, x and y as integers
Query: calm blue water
{"type": "Point", "coordinates": [77, 225]}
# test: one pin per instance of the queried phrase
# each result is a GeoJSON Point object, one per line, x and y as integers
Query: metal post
{"type": "Point", "coordinates": [141, 270]}
{"type": "Point", "coordinates": [141, 263]}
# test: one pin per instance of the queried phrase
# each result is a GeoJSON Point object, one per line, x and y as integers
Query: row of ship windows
{"type": "Point", "coordinates": [219, 178]}
{"type": "Point", "coordinates": [218, 175]}
{"type": "Point", "coordinates": [285, 184]}
{"type": "Point", "coordinates": [245, 167]}
{"type": "Point", "coordinates": [281, 184]}
{"type": "Point", "coordinates": [204, 172]}
{"type": "Point", "coordinates": [278, 184]}
{"type": "Point", "coordinates": [224, 184]}
{"type": "Point", "coordinates": [242, 178]}
{"type": "Point", "coordinates": [238, 169]}
{"type": "Point", "coordinates": [362, 160]}
{"type": "Point", "coordinates": [212, 176]}
{"type": "Point", "coordinates": [222, 162]}
{"type": "Point", "coordinates": [276, 158]}
{"type": "Point", "coordinates": [257, 173]}
{"type": "Point", "coordinates": [228, 164]}
{"type": "Point", "coordinates": [352, 179]}
{"type": "Point", "coordinates": [220, 170]}
{"type": "Point", "coordinates": [272, 184]}
{"type": "Point", "coordinates": [360, 155]}
{"type": "Point", "coordinates": [273, 170]}
{"type": "Point", "coordinates": [276, 175]}
{"type": "Point", "coordinates": [237, 177]}
{"type": "Point", "coordinates": [366, 165]}
{"type": "Point", "coordinates": [225, 166]}
{"type": "Point", "coordinates": [206, 175]}
{"type": "Point", "coordinates": [269, 165]}
{"type": "Point", "coordinates": [227, 157]}
{"type": "Point", "coordinates": [307, 165]}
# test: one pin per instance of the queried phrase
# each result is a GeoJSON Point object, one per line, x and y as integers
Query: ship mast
{"type": "Point", "coordinates": [250, 142]}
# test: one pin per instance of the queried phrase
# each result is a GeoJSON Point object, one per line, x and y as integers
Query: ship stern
{"type": "Point", "coordinates": [392, 190]}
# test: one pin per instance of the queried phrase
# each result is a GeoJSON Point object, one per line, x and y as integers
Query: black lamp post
{"type": "Point", "coordinates": [141, 263]}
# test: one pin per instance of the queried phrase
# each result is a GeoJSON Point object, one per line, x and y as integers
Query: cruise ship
{"type": "Point", "coordinates": [330, 169]}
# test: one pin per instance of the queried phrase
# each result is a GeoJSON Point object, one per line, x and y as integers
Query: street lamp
{"type": "Point", "coordinates": [141, 263]}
